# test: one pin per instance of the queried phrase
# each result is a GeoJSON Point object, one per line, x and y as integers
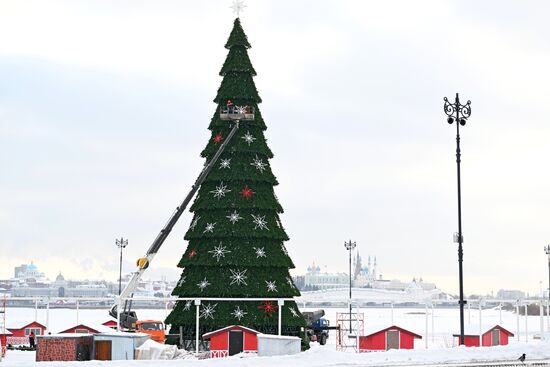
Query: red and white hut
{"type": "Point", "coordinates": [393, 337]}
{"type": "Point", "coordinates": [496, 335]}
{"type": "Point", "coordinates": [232, 340]}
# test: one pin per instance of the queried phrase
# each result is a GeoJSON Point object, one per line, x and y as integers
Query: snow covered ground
{"type": "Point", "coordinates": [319, 356]}
{"type": "Point", "coordinates": [436, 348]}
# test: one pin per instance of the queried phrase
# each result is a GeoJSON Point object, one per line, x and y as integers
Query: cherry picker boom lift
{"type": "Point", "coordinates": [127, 319]}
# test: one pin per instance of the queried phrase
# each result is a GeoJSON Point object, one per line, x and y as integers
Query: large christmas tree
{"type": "Point", "coordinates": [236, 239]}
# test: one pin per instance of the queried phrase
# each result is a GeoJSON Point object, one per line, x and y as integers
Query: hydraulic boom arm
{"type": "Point", "coordinates": [128, 318]}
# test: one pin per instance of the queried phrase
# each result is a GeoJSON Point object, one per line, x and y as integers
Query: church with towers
{"type": "Point", "coordinates": [364, 276]}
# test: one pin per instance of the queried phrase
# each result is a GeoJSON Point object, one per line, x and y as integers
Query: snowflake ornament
{"type": "Point", "coordinates": [225, 163]}
{"type": "Point", "coordinates": [290, 282]}
{"type": "Point", "coordinates": [194, 223]}
{"type": "Point", "coordinates": [217, 139]}
{"type": "Point", "coordinates": [187, 306]}
{"type": "Point", "coordinates": [241, 109]}
{"type": "Point", "coordinates": [234, 217]}
{"type": "Point", "coordinates": [248, 138]}
{"type": "Point", "coordinates": [209, 228]}
{"type": "Point", "coordinates": [247, 192]}
{"type": "Point", "coordinates": [259, 222]}
{"type": "Point", "coordinates": [260, 252]}
{"type": "Point", "coordinates": [208, 311]}
{"type": "Point", "coordinates": [220, 191]}
{"type": "Point", "coordinates": [203, 284]}
{"type": "Point", "coordinates": [268, 307]}
{"type": "Point", "coordinates": [293, 312]}
{"type": "Point", "coordinates": [218, 251]}
{"type": "Point", "coordinates": [238, 313]}
{"type": "Point", "coordinates": [238, 277]}
{"type": "Point", "coordinates": [181, 281]}
{"type": "Point", "coordinates": [271, 286]}
{"type": "Point", "coordinates": [258, 164]}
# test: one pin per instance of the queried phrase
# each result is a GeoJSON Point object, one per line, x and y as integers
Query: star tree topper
{"type": "Point", "coordinates": [238, 6]}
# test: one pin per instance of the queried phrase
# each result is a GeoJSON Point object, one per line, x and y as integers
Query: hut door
{"type": "Point", "coordinates": [235, 342]}
{"type": "Point", "coordinates": [392, 339]}
{"type": "Point", "coordinates": [495, 337]}
{"type": "Point", "coordinates": [103, 350]}
{"type": "Point", "coordinates": [82, 352]}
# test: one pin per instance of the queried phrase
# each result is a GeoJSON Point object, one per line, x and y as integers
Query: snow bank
{"type": "Point", "coordinates": [153, 350]}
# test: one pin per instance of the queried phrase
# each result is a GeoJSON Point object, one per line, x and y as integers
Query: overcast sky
{"type": "Point", "coordinates": [104, 108]}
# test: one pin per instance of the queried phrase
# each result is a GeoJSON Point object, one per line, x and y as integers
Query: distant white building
{"type": "Point", "coordinates": [316, 279]}
{"type": "Point", "coordinates": [59, 288]}
{"type": "Point", "coordinates": [368, 277]}
{"type": "Point", "coordinates": [28, 271]}
{"type": "Point", "coordinates": [364, 276]}
{"type": "Point", "coordinates": [510, 294]}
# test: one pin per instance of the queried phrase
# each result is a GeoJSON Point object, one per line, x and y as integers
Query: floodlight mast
{"type": "Point", "coordinates": [127, 318]}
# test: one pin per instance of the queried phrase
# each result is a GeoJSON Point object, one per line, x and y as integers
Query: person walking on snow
{"type": "Point", "coordinates": [31, 340]}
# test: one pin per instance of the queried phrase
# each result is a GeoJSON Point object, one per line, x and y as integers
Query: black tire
{"type": "Point", "coordinates": [322, 339]}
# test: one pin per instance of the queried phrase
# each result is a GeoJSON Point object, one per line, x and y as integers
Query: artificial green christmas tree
{"type": "Point", "coordinates": [236, 240]}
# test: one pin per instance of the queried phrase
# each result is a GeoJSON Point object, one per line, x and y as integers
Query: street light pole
{"type": "Point", "coordinates": [349, 246]}
{"type": "Point", "coordinates": [122, 243]}
{"type": "Point", "coordinates": [547, 250]}
{"type": "Point", "coordinates": [458, 113]}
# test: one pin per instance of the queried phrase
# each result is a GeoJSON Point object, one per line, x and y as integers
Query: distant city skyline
{"type": "Point", "coordinates": [104, 109]}
{"type": "Point", "coordinates": [320, 269]}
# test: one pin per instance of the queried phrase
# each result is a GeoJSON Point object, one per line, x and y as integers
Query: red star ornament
{"type": "Point", "coordinates": [247, 192]}
{"type": "Point", "coordinates": [268, 307]}
{"type": "Point", "coordinates": [192, 254]}
{"type": "Point", "coordinates": [218, 138]}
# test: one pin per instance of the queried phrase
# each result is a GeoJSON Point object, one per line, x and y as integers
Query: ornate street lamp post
{"type": "Point", "coordinates": [458, 113]}
{"type": "Point", "coordinates": [122, 243]}
{"type": "Point", "coordinates": [349, 246]}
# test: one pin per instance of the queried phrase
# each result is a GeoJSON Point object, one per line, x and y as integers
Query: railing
{"type": "Point", "coordinates": [242, 113]}
{"type": "Point", "coordinates": [17, 340]}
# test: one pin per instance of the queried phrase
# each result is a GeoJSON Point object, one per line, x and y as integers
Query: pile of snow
{"type": "Point", "coordinates": [153, 350]}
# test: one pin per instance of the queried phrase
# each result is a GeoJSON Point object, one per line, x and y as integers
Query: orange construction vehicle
{"type": "Point", "coordinates": [154, 328]}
